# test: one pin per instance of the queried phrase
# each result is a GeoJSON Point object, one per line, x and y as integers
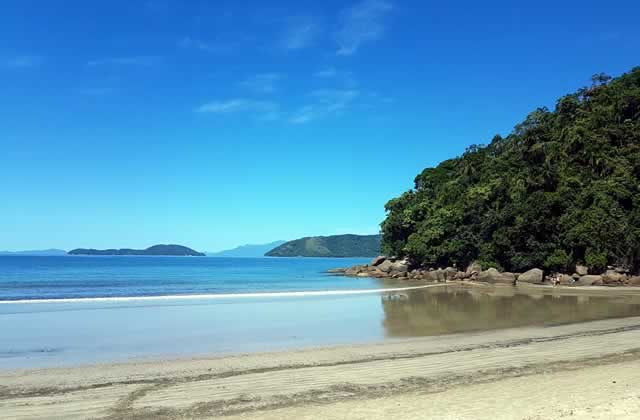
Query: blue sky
{"type": "Point", "coordinates": [219, 123]}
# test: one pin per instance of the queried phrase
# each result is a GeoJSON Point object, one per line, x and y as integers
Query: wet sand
{"type": "Point", "coordinates": [583, 370]}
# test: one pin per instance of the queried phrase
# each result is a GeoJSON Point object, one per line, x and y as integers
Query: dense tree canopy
{"type": "Point", "coordinates": [562, 188]}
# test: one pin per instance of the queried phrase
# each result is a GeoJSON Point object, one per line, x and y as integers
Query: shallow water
{"type": "Point", "coordinates": [293, 304]}
{"type": "Point", "coordinates": [61, 334]}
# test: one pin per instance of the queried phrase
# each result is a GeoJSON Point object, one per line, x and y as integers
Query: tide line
{"type": "Point", "coordinates": [217, 296]}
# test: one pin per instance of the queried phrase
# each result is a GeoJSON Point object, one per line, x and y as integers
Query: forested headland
{"type": "Point", "coordinates": [562, 189]}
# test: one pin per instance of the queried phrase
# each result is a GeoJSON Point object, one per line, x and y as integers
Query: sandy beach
{"type": "Point", "coordinates": [584, 370]}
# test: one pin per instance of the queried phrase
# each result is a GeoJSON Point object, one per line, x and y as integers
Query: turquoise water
{"type": "Point", "coordinates": [61, 311]}
{"type": "Point", "coordinates": [26, 278]}
{"type": "Point", "coordinates": [58, 311]}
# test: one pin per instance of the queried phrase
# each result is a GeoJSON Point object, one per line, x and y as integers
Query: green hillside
{"type": "Point", "coordinates": [562, 188]}
{"type": "Point", "coordinates": [329, 246]}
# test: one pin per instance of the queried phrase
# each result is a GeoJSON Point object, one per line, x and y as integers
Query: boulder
{"type": "Point", "coordinates": [430, 276]}
{"type": "Point", "coordinates": [363, 274]}
{"type": "Point", "coordinates": [450, 273]}
{"type": "Point", "coordinates": [590, 280]}
{"type": "Point", "coordinates": [582, 270]}
{"type": "Point", "coordinates": [385, 266]}
{"type": "Point", "coordinates": [508, 278]}
{"type": "Point", "coordinates": [535, 275]}
{"type": "Point", "coordinates": [337, 271]}
{"type": "Point", "coordinates": [613, 277]}
{"type": "Point", "coordinates": [494, 276]}
{"type": "Point", "coordinates": [634, 281]}
{"type": "Point", "coordinates": [378, 260]}
{"type": "Point", "coordinates": [400, 266]}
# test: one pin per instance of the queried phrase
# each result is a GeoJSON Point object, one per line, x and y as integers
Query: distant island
{"type": "Point", "coordinates": [156, 250]}
{"type": "Point", "coordinates": [340, 246]}
{"type": "Point", "coordinates": [247, 251]}
{"type": "Point", "coordinates": [35, 253]}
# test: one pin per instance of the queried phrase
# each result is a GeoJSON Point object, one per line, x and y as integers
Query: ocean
{"type": "Point", "coordinates": [62, 311]}
{"type": "Point", "coordinates": [78, 277]}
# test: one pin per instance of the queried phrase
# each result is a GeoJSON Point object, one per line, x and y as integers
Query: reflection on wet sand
{"type": "Point", "coordinates": [454, 309]}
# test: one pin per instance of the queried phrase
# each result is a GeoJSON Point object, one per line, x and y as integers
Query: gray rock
{"type": "Point", "coordinates": [535, 275]}
{"type": "Point", "coordinates": [508, 278]}
{"type": "Point", "coordinates": [450, 273]}
{"type": "Point", "coordinates": [613, 277]}
{"type": "Point", "coordinates": [590, 280]}
{"type": "Point", "coordinates": [400, 266]}
{"type": "Point", "coordinates": [385, 266]}
{"type": "Point", "coordinates": [582, 270]}
{"type": "Point", "coordinates": [494, 276]}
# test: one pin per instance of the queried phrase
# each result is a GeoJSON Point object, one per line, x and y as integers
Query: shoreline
{"type": "Point", "coordinates": [294, 382]}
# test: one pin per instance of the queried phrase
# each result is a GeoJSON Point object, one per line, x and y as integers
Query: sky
{"type": "Point", "coordinates": [218, 123]}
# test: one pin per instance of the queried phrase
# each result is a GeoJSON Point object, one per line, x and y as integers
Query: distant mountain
{"type": "Point", "coordinates": [330, 246]}
{"type": "Point", "coordinates": [39, 252]}
{"type": "Point", "coordinates": [156, 250]}
{"type": "Point", "coordinates": [247, 251]}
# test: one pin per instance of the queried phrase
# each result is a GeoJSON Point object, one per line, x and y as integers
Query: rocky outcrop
{"type": "Point", "coordinates": [590, 280]}
{"type": "Point", "coordinates": [394, 268]}
{"type": "Point", "coordinates": [535, 275]}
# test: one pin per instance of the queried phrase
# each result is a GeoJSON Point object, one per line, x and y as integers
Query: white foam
{"type": "Point", "coordinates": [217, 296]}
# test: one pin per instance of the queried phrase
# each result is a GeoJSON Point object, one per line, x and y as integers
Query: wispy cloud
{"type": "Point", "coordinates": [364, 22]}
{"type": "Point", "coordinates": [198, 44]}
{"type": "Point", "coordinates": [124, 61]}
{"type": "Point", "coordinates": [299, 33]}
{"type": "Point", "coordinates": [262, 83]}
{"type": "Point", "coordinates": [24, 61]}
{"type": "Point", "coordinates": [326, 102]}
{"type": "Point", "coordinates": [262, 110]}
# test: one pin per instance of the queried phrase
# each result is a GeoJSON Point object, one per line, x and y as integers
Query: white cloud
{"type": "Point", "coordinates": [24, 61]}
{"type": "Point", "coordinates": [198, 44]}
{"type": "Point", "coordinates": [262, 83]}
{"type": "Point", "coordinates": [300, 32]}
{"type": "Point", "coordinates": [361, 23]}
{"type": "Point", "coordinates": [326, 102]}
{"type": "Point", "coordinates": [124, 61]}
{"type": "Point", "coordinates": [262, 110]}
